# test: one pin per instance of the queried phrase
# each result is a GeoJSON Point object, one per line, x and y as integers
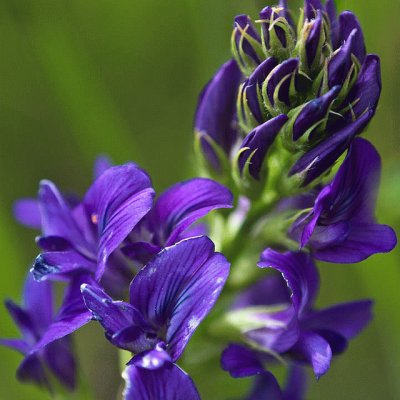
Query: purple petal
{"type": "Point", "coordinates": [317, 160]}
{"type": "Point", "coordinates": [16, 344]}
{"type": "Point", "coordinates": [354, 188]}
{"type": "Point", "coordinates": [38, 301]}
{"type": "Point", "coordinates": [23, 321]}
{"type": "Point", "coordinates": [366, 92]}
{"type": "Point", "coordinates": [72, 315]}
{"type": "Point", "coordinates": [178, 288]}
{"type": "Point", "coordinates": [296, 384]}
{"type": "Point", "coordinates": [311, 7]}
{"type": "Point", "coordinates": [363, 241]}
{"type": "Point", "coordinates": [340, 63]}
{"type": "Point", "coordinates": [316, 350]}
{"type": "Point", "coordinates": [280, 72]}
{"type": "Point", "coordinates": [27, 212]}
{"type": "Point", "coordinates": [216, 108]}
{"type": "Point", "coordinates": [281, 331]}
{"type": "Point", "coordinates": [59, 264]}
{"type": "Point", "coordinates": [240, 361]}
{"type": "Point", "coordinates": [299, 272]}
{"type": "Point", "coordinates": [53, 243]}
{"type": "Point", "coordinates": [102, 164]}
{"type": "Point", "coordinates": [331, 11]}
{"type": "Point", "coordinates": [116, 202]}
{"type": "Point", "coordinates": [59, 357]}
{"type": "Point", "coordinates": [31, 370]}
{"type": "Point", "coordinates": [313, 39]}
{"type": "Point", "coordinates": [57, 218]}
{"type": "Point", "coordinates": [243, 23]}
{"type": "Point", "coordinates": [284, 12]}
{"type": "Point", "coordinates": [254, 84]}
{"type": "Point", "coordinates": [347, 23]}
{"type": "Point", "coordinates": [183, 204]}
{"type": "Point", "coordinates": [167, 383]}
{"type": "Point", "coordinates": [142, 252]}
{"type": "Point", "coordinates": [313, 112]}
{"type": "Point", "coordinates": [269, 291]}
{"type": "Point", "coordinates": [258, 142]}
{"type": "Point", "coordinates": [151, 359]}
{"type": "Point", "coordinates": [124, 325]}
{"type": "Point", "coordinates": [266, 387]}
{"type": "Point", "coordinates": [347, 319]}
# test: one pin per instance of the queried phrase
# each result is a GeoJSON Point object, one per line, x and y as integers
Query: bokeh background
{"type": "Point", "coordinates": [82, 78]}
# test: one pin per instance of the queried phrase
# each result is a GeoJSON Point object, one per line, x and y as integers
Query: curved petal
{"type": "Point", "coordinates": [116, 202]}
{"type": "Point", "coordinates": [257, 143]}
{"type": "Point", "coordinates": [123, 324]}
{"type": "Point", "coordinates": [363, 241]}
{"type": "Point", "coordinates": [102, 164]}
{"type": "Point", "coordinates": [57, 217]}
{"type": "Point", "coordinates": [59, 264]}
{"type": "Point", "coordinates": [314, 349]}
{"type": "Point", "coordinates": [347, 23]}
{"type": "Point", "coordinates": [31, 370]}
{"type": "Point", "coordinates": [354, 187]}
{"type": "Point", "coordinates": [177, 289]}
{"type": "Point", "coordinates": [59, 358]}
{"type": "Point", "coordinates": [266, 387]}
{"type": "Point", "coordinates": [320, 158]}
{"type": "Point", "coordinates": [269, 291]}
{"type": "Point", "coordinates": [72, 315]}
{"type": "Point", "coordinates": [300, 274]}
{"type": "Point", "coordinates": [216, 109]}
{"type": "Point", "coordinates": [347, 319]}
{"type": "Point", "coordinates": [240, 361]}
{"type": "Point", "coordinates": [167, 383]}
{"type": "Point", "coordinates": [365, 93]}
{"type": "Point", "coordinates": [296, 384]}
{"type": "Point", "coordinates": [27, 212]}
{"type": "Point", "coordinates": [183, 204]}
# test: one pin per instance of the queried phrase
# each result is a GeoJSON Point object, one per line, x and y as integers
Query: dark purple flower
{"type": "Point", "coordinates": [291, 327]}
{"type": "Point", "coordinates": [257, 143]}
{"type": "Point", "coordinates": [342, 226]}
{"type": "Point", "coordinates": [167, 383]}
{"type": "Point", "coordinates": [169, 298]}
{"type": "Point", "coordinates": [33, 319]}
{"type": "Point", "coordinates": [215, 115]}
{"type": "Point", "coordinates": [246, 44]}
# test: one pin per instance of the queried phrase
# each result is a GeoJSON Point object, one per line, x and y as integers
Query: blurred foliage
{"type": "Point", "coordinates": [79, 78]}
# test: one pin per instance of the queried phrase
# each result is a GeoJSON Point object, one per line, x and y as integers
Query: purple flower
{"type": "Point", "coordinates": [257, 143]}
{"type": "Point", "coordinates": [321, 78]}
{"type": "Point", "coordinates": [215, 115]}
{"type": "Point", "coordinates": [342, 227]}
{"type": "Point", "coordinates": [169, 298]}
{"type": "Point", "coordinates": [80, 239]}
{"type": "Point", "coordinates": [168, 383]}
{"type": "Point", "coordinates": [172, 217]}
{"type": "Point", "coordinates": [285, 322]}
{"type": "Point", "coordinates": [33, 319]}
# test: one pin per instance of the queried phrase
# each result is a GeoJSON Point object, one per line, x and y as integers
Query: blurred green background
{"type": "Point", "coordinates": [79, 78]}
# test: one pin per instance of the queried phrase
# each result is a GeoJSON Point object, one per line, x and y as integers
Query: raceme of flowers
{"type": "Point", "coordinates": [288, 182]}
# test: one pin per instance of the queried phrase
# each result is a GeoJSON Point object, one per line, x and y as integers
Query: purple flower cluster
{"type": "Point", "coordinates": [271, 125]}
{"type": "Point", "coordinates": [317, 88]}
